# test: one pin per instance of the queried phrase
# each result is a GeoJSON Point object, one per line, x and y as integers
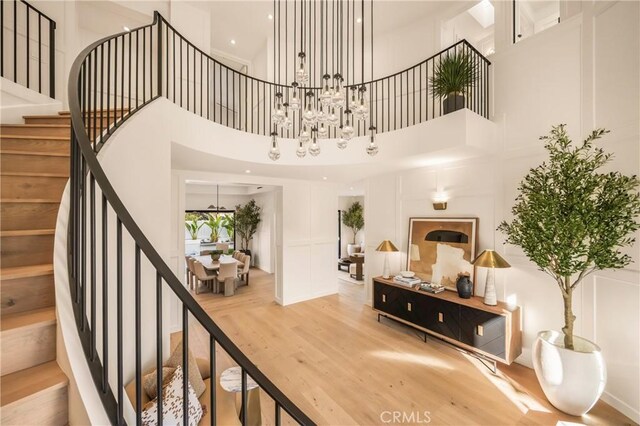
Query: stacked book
{"type": "Point", "coordinates": [409, 282]}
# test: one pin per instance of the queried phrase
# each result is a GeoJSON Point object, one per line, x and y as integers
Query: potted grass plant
{"type": "Point", "coordinates": [214, 223]}
{"type": "Point", "coordinates": [454, 75]}
{"type": "Point", "coordinates": [572, 219]}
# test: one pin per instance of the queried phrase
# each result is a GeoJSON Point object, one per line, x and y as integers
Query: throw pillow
{"type": "Point", "coordinates": [195, 378]}
{"type": "Point", "coordinates": [150, 381]}
{"type": "Point", "coordinates": [172, 413]}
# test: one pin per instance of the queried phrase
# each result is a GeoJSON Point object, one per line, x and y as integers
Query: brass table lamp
{"type": "Point", "coordinates": [490, 259]}
{"type": "Point", "coordinates": [387, 247]}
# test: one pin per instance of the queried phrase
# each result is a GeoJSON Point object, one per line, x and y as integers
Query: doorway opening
{"type": "Point", "coordinates": [351, 238]}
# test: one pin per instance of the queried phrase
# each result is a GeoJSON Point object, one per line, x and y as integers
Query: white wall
{"type": "Point", "coordinates": [263, 245]}
{"type": "Point", "coordinates": [544, 80]}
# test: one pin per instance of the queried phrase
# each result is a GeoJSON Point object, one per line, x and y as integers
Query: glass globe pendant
{"type": "Point", "coordinates": [332, 118]}
{"type": "Point", "coordinates": [338, 99]}
{"type": "Point", "coordinates": [294, 101]}
{"type": "Point", "coordinates": [286, 124]}
{"type": "Point", "coordinates": [304, 134]}
{"type": "Point", "coordinates": [309, 114]}
{"type": "Point", "coordinates": [302, 150]}
{"type": "Point", "coordinates": [321, 116]}
{"type": "Point", "coordinates": [347, 129]}
{"type": "Point", "coordinates": [323, 131]}
{"type": "Point", "coordinates": [372, 148]}
{"type": "Point", "coordinates": [353, 101]}
{"type": "Point", "coordinates": [274, 152]}
{"type": "Point", "coordinates": [302, 76]}
{"type": "Point", "coordinates": [278, 115]}
{"type": "Point", "coordinates": [361, 112]}
{"type": "Point", "coordinates": [326, 95]}
{"type": "Point", "coordinates": [314, 148]}
{"type": "Point", "coordinates": [342, 143]}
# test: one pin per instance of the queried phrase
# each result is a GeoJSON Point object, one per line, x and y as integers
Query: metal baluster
{"type": "Point", "coordinates": [52, 59]}
{"type": "Point", "coordinates": [94, 115]}
{"type": "Point", "coordinates": [159, 358]}
{"type": "Point", "coordinates": [137, 67]}
{"type": "Point", "coordinates": [243, 409]}
{"type": "Point", "coordinates": [185, 362]}
{"type": "Point", "coordinates": [28, 35]}
{"type": "Point", "coordinates": [138, 322]}
{"type": "Point", "coordinates": [201, 86]}
{"type": "Point", "coordinates": [129, 79]}
{"type": "Point", "coordinates": [108, 86]}
{"type": "Point", "coordinates": [212, 373]}
{"type": "Point", "coordinates": [119, 320]}
{"type": "Point", "coordinates": [122, 84]}
{"type": "Point", "coordinates": [144, 65]}
{"type": "Point", "coordinates": [101, 94]}
{"type": "Point", "coordinates": [105, 298]}
{"type": "Point", "coordinates": [15, 41]}
{"type": "Point", "coordinates": [39, 53]}
{"type": "Point", "coordinates": [2, 39]}
{"type": "Point", "coordinates": [188, 82]}
{"type": "Point", "coordinates": [92, 222]}
{"type": "Point", "coordinates": [278, 414]}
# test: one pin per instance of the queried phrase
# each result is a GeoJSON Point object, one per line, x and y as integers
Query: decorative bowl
{"type": "Point", "coordinates": [408, 274]}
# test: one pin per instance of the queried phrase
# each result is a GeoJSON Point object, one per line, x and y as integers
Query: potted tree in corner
{"type": "Point", "coordinates": [247, 221]}
{"type": "Point", "coordinates": [455, 74]}
{"type": "Point", "coordinates": [571, 219]}
{"type": "Point", "coordinates": [353, 218]}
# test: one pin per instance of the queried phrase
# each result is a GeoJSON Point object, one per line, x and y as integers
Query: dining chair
{"type": "Point", "coordinates": [223, 246]}
{"type": "Point", "coordinates": [192, 272]}
{"type": "Point", "coordinates": [186, 262]}
{"type": "Point", "coordinates": [203, 276]}
{"type": "Point", "coordinates": [243, 273]}
{"type": "Point", "coordinates": [227, 274]}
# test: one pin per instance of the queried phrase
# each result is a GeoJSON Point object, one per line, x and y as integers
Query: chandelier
{"type": "Point", "coordinates": [323, 92]}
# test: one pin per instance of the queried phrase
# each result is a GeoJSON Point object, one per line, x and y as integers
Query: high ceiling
{"type": "Point", "coordinates": [248, 24]}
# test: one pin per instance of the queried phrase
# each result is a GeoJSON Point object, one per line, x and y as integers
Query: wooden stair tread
{"type": "Point", "coordinates": [28, 319]}
{"type": "Point", "coordinates": [26, 271]}
{"type": "Point", "coordinates": [34, 153]}
{"type": "Point", "coordinates": [30, 200]}
{"type": "Point", "coordinates": [48, 126]}
{"type": "Point", "coordinates": [27, 232]}
{"type": "Point", "coordinates": [104, 111]}
{"type": "Point", "coordinates": [31, 382]}
{"type": "Point", "coordinates": [36, 137]}
{"type": "Point", "coordinates": [35, 174]}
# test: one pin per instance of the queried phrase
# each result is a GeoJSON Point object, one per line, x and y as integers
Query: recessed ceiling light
{"type": "Point", "coordinates": [233, 41]}
{"type": "Point", "coordinates": [359, 20]}
{"type": "Point", "coordinates": [324, 178]}
{"type": "Point", "coordinates": [126, 28]}
{"type": "Point", "coordinates": [270, 16]}
{"type": "Point", "coordinates": [247, 171]}
{"type": "Point", "coordinates": [351, 189]}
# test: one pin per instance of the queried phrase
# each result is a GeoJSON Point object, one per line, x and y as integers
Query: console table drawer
{"type": "Point", "coordinates": [480, 328]}
{"type": "Point", "coordinates": [443, 317]}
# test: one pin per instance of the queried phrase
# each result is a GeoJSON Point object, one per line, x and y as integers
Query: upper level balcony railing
{"type": "Point", "coordinates": [28, 45]}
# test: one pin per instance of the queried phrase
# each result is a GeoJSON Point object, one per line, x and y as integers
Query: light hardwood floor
{"type": "Point", "coordinates": [342, 367]}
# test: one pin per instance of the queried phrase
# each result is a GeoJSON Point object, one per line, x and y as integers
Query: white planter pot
{"type": "Point", "coordinates": [353, 248]}
{"type": "Point", "coordinates": [572, 380]}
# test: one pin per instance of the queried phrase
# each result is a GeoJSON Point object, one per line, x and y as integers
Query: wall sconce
{"type": "Point", "coordinates": [440, 201]}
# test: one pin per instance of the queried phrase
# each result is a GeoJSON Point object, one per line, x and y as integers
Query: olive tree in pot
{"type": "Point", "coordinates": [353, 218]}
{"type": "Point", "coordinates": [572, 219]}
{"type": "Point", "coordinates": [247, 219]}
{"type": "Point", "coordinates": [455, 74]}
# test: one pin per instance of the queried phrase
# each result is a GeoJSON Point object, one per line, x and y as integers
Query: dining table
{"type": "Point", "coordinates": [214, 265]}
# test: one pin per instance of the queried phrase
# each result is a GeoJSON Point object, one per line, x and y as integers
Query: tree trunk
{"type": "Point", "coordinates": [569, 318]}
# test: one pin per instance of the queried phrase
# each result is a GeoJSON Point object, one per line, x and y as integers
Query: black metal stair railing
{"type": "Point", "coordinates": [28, 44]}
{"type": "Point", "coordinates": [109, 81]}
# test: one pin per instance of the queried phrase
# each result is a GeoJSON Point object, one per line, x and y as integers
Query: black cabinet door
{"type": "Point", "coordinates": [483, 330]}
{"type": "Point", "coordinates": [443, 317]}
{"type": "Point", "coordinates": [385, 298]}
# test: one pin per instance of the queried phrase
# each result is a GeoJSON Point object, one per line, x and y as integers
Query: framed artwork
{"type": "Point", "coordinates": [441, 248]}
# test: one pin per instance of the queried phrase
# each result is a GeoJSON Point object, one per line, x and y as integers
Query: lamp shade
{"type": "Point", "coordinates": [490, 259]}
{"type": "Point", "coordinates": [386, 245]}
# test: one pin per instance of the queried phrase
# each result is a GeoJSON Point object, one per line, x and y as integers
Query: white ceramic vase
{"type": "Point", "coordinates": [572, 380]}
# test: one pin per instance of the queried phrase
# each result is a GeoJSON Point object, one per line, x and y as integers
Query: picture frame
{"type": "Point", "coordinates": [439, 248]}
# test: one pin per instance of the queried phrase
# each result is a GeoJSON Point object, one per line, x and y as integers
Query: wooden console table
{"type": "Point", "coordinates": [490, 331]}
